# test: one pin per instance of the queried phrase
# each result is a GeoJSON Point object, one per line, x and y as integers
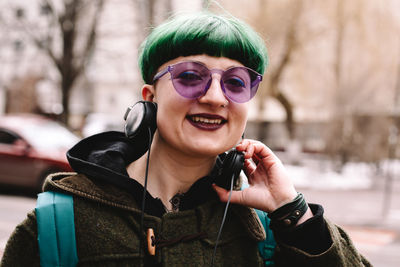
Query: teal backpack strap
{"type": "Point", "coordinates": [56, 229]}
{"type": "Point", "coordinates": [267, 246]}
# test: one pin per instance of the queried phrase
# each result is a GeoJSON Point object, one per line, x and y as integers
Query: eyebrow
{"type": "Point", "coordinates": [202, 63]}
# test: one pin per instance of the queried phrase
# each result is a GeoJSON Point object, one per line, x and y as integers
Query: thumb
{"type": "Point", "coordinates": [223, 194]}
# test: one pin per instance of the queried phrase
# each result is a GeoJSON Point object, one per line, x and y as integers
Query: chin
{"type": "Point", "coordinates": [209, 150]}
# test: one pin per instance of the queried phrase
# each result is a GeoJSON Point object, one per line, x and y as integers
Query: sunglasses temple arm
{"type": "Point", "coordinates": [256, 81]}
{"type": "Point", "coordinates": [160, 74]}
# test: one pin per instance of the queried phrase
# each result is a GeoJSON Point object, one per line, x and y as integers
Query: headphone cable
{"type": "Point", "coordinates": [144, 193]}
{"type": "Point", "coordinates": [223, 221]}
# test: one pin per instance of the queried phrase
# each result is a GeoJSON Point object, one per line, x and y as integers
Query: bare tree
{"type": "Point", "coordinates": [358, 129]}
{"type": "Point", "coordinates": [264, 24]}
{"type": "Point", "coordinates": [339, 134]}
{"type": "Point", "coordinates": [290, 44]}
{"type": "Point", "coordinates": [66, 34]}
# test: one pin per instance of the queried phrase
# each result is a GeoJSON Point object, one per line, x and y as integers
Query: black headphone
{"type": "Point", "coordinates": [142, 118]}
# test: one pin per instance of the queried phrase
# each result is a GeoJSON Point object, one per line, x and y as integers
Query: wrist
{"type": "Point", "coordinates": [290, 214]}
{"type": "Point", "coordinates": [306, 216]}
{"type": "Point", "coordinates": [283, 200]}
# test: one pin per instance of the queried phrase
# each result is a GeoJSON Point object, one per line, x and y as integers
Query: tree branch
{"type": "Point", "coordinates": [291, 44]}
{"type": "Point", "coordinates": [91, 39]}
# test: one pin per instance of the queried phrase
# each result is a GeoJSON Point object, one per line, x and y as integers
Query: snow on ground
{"type": "Point", "coordinates": [351, 177]}
{"type": "Point", "coordinates": [320, 174]}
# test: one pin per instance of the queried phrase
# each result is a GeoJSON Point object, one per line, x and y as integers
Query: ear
{"type": "Point", "coordinates": [148, 92]}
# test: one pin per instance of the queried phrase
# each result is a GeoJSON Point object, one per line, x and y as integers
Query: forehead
{"type": "Point", "coordinates": [211, 62]}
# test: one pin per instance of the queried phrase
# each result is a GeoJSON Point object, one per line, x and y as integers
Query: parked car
{"type": "Point", "coordinates": [31, 147]}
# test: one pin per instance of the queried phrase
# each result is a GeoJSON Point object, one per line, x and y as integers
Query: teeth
{"type": "Point", "coordinates": [205, 120]}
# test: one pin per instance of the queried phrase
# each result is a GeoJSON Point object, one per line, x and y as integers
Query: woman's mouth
{"type": "Point", "coordinates": [208, 122]}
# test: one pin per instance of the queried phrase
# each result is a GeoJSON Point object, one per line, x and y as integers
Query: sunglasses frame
{"type": "Point", "coordinates": [253, 86]}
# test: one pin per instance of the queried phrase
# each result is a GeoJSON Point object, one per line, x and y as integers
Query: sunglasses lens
{"type": "Point", "coordinates": [237, 84]}
{"type": "Point", "coordinates": [190, 79]}
{"type": "Point", "coordinates": [240, 84]}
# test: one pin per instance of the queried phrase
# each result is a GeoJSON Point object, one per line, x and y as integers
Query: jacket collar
{"type": "Point", "coordinates": [81, 186]}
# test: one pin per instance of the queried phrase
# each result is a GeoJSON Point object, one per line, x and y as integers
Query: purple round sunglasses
{"type": "Point", "coordinates": [192, 79]}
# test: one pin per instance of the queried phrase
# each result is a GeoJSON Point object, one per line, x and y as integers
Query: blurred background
{"type": "Point", "coordinates": [329, 104]}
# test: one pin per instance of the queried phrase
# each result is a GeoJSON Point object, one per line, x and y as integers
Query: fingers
{"type": "Point", "coordinates": [257, 151]}
{"type": "Point", "coordinates": [246, 147]}
{"type": "Point", "coordinates": [223, 195]}
{"type": "Point", "coordinates": [248, 168]}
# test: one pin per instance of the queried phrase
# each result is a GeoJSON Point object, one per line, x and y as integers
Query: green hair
{"type": "Point", "coordinates": [202, 33]}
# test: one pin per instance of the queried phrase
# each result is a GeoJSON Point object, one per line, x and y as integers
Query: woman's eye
{"type": "Point", "coordinates": [189, 76]}
{"type": "Point", "coordinates": [235, 82]}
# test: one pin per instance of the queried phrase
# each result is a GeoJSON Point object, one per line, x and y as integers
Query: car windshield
{"type": "Point", "coordinates": [49, 135]}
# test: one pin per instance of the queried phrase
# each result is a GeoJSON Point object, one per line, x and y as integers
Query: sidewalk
{"type": "Point", "coordinates": [381, 247]}
{"type": "Point", "coordinates": [361, 213]}
{"type": "Point", "coordinates": [365, 204]}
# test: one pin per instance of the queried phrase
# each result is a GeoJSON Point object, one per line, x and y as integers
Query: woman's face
{"type": "Point", "coordinates": [206, 126]}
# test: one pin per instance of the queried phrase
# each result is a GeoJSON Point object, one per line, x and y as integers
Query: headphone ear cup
{"type": "Point", "coordinates": [139, 118]}
{"type": "Point", "coordinates": [232, 165]}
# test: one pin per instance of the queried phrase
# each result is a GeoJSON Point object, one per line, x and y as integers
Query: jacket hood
{"type": "Point", "coordinates": [105, 156]}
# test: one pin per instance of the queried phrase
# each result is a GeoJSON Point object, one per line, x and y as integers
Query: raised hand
{"type": "Point", "coordinates": [269, 185]}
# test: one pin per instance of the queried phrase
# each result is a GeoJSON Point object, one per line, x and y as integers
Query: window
{"type": "Point", "coordinates": [7, 137]}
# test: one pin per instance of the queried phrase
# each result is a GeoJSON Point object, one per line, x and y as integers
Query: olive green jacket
{"type": "Point", "coordinates": [107, 223]}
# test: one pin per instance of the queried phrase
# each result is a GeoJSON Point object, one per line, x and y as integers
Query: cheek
{"type": "Point", "coordinates": [241, 115]}
{"type": "Point", "coordinates": [166, 126]}
{"type": "Point", "coordinates": [170, 114]}
{"type": "Point", "coordinates": [166, 99]}
{"type": "Point", "coordinates": [240, 118]}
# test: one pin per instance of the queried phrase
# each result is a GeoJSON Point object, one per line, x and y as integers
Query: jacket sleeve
{"type": "Point", "coordinates": [22, 246]}
{"type": "Point", "coordinates": [341, 252]}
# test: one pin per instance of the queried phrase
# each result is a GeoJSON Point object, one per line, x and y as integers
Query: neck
{"type": "Point", "coordinates": [170, 171]}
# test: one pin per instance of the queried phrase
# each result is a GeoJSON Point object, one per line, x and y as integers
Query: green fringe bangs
{"type": "Point", "coordinates": [203, 33]}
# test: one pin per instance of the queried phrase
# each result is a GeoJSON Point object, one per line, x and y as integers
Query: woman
{"type": "Point", "coordinates": [201, 71]}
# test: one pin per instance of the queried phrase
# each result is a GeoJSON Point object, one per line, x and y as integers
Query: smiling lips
{"type": "Point", "coordinates": [208, 122]}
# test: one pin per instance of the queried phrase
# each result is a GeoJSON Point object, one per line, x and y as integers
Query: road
{"type": "Point", "coordinates": [13, 210]}
{"type": "Point", "coordinates": [359, 212]}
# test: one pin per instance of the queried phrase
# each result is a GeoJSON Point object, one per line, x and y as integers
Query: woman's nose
{"type": "Point", "coordinates": [214, 95]}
